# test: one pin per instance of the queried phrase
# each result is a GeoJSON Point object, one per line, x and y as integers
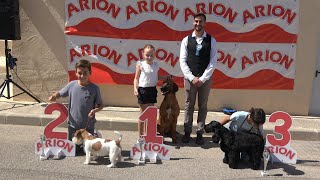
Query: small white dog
{"type": "Point", "coordinates": [99, 146]}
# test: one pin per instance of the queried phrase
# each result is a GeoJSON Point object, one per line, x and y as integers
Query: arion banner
{"type": "Point", "coordinates": [256, 39]}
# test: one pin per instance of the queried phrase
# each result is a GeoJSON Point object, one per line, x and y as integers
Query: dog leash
{"type": "Point", "coordinates": [87, 124]}
{"type": "Point", "coordinates": [88, 120]}
{"type": "Point", "coordinates": [95, 132]}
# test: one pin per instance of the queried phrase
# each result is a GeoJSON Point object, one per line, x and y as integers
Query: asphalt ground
{"type": "Point", "coordinates": [188, 161]}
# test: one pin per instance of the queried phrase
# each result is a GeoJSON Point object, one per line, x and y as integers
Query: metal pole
{"type": "Point", "coordinates": [7, 68]}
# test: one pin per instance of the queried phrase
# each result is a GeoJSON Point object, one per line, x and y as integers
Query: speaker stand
{"type": "Point", "coordinates": [8, 80]}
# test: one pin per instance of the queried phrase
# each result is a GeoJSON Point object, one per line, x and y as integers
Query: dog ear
{"type": "Point", "coordinates": [75, 134]}
{"type": "Point", "coordinates": [175, 87]}
{"type": "Point", "coordinates": [79, 133]}
{"type": "Point", "coordinates": [215, 138]}
{"type": "Point", "coordinates": [219, 132]}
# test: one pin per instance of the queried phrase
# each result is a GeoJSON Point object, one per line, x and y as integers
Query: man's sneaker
{"type": "Point", "coordinates": [186, 138]}
{"type": "Point", "coordinates": [199, 139]}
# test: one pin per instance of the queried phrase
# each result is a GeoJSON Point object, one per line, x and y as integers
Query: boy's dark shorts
{"type": "Point", "coordinates": [147, 95]}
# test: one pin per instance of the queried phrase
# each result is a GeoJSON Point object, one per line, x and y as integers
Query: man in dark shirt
{"type": "Point", "coordinates": [198, 55]}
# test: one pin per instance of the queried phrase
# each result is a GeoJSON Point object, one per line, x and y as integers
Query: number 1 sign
{"type": "Point", "coordinates": [153, 148]}
{"type": "Point", "coordinates": [55, 143]}
{"type": "Point", "coordinates": [149, 117]}
{"type": "Point", "coordinates": [280, 149]}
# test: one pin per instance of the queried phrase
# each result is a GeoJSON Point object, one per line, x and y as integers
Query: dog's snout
{"type": "Point", "coordinates": [165, 87]}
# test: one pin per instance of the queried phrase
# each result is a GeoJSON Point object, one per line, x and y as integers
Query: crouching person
{"type": "Point", "coordinates": [249, 122]}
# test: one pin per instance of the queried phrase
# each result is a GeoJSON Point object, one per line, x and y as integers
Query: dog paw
{"type": "Point", "coordinates": [233, 166]}
{"type": "Point", "coordinates": [110, 166]}
{"type": "Point", "coordinates": [255, 166]}
{"type": "Point", "coordinates": [86, 163]}
{"type": "Point", "coordinates": [225, 160]}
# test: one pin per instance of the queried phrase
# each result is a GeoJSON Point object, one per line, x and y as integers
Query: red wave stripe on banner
{"type": "Point", "coordinates": [263, 79]}
{"type": "Point", "coordinates": [155, 30]}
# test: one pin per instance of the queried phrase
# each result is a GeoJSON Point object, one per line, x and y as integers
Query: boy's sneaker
{"type": "Point", "coordinates": [186, 138]}
{"type": "Point", "coordinates": [199, 139]}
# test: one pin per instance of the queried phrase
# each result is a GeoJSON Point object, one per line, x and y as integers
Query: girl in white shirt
{"type": "Point", "coordinates": [145, 81]}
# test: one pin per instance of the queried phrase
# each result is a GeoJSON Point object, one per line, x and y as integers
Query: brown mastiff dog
{"type": "Point", "coordinates": [169, 110]}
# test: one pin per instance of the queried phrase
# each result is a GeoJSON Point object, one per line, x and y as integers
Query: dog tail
{"type": "Point", "coordinates": [120, 137]}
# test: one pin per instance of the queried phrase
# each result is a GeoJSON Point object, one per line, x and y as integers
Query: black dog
{"type": "Point", "coordinates": [232, 143]}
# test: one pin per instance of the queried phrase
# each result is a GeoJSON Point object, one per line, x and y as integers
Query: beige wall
{"type": "Point", "coordinates": [42, 63]}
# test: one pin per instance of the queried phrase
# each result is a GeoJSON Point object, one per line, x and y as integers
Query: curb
{"type": "Point", "coordinates": [131, 125]}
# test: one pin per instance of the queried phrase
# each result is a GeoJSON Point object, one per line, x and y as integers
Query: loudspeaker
{"type": "Point", "coordinates": [9, 20]}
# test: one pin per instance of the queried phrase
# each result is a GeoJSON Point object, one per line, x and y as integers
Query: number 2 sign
{"type": "Point", "coordinates": [48, 130]}
{"type": "Point", "coordinates": [280, 148]}
{"type": "Point", "coordinates": [55, 143]}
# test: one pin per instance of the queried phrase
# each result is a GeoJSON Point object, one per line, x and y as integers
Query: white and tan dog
{"type": "Point", "coordinates": [98, 146]}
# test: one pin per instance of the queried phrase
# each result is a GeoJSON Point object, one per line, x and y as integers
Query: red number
{"type": "Point", "coordinates": [48, 130]}
{"type": "Point", "coordinates": [283, 129]}
{"type": "Point", "coordinates": [149, 116]}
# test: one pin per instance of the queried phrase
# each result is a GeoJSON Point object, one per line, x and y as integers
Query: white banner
{"type": "Point", "coordinates": [256, 39]}
{"type": "Point", "coordinates": [234, 15]}
{"type": "Point", "coordinates": [234, 59]}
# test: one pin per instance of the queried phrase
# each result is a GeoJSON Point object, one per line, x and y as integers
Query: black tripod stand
{"type": "Point", "coordinates": [8, 80]}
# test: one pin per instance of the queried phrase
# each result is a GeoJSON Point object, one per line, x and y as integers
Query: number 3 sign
{"type": "Point", "coordinates": [55, 143]}
{"type": "Point", "coordinates": [280, 149]}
